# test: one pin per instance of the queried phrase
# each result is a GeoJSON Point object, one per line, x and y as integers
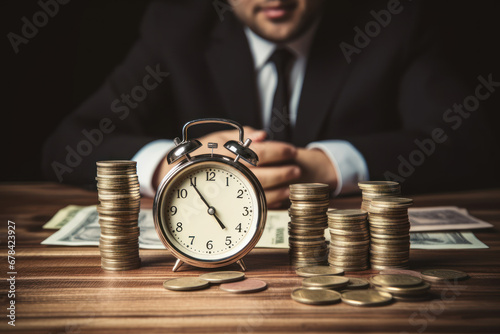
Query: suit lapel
{"type": "Point", "coordinates": [325, 73]}
{"type": "Point", "coordinates": [231, 67]}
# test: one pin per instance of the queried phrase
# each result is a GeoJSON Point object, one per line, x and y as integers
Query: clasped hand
{"type": "Point", "coordinates": [280, 164]}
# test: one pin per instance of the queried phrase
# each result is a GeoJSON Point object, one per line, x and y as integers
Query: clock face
{"type": "Point", "coordinates": [209, 211]}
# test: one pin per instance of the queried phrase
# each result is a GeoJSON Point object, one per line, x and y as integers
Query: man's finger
{"type": "Point", "coordinates": [254, 134]}
{"type": "Point", "coordinates": [273, 152]}
{"type": "Point", "coordinates": [271, 177]}
{"type": "Point", "coordinates": [276, 196]}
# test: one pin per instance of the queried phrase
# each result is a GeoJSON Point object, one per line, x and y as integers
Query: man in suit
{"type": "Point", "coordinates": [330, 91]}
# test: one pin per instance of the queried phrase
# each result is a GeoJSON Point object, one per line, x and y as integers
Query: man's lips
{"type": "Point", "coordinates": [277, 12]}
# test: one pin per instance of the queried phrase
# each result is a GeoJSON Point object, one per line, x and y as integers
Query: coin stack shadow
{"type": "Point", "coordinates": [389, 232]}
{"type": "Point", "coordinates": [375, 189]}
{"type": "Point", "coordinates": [308, 220]}
{"type": "Point", "coordinates": [350, 239]}
{"type": "Point", "coordinates": [119, 197]}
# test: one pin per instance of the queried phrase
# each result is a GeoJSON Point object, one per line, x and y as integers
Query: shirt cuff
{"type": "Point", "coordinates": [148, 158]}
{"type": "Point", "coordinates": [348, 162]}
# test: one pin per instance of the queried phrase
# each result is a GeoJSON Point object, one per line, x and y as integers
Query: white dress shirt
{"type": "Point", "coordinates": [348, 162]}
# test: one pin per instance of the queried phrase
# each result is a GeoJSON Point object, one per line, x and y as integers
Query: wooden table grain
{"type": "Point", "coordinates": [64, 289]}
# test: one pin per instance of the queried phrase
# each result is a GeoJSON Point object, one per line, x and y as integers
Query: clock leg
{"type": "Point", "coordinates": [177, 265]}
{"type": "Point", "coordinates": [242, 264]}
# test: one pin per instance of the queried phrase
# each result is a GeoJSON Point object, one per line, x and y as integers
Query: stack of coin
{"type": "Point", "coordinates": [374, 189]}
{"type": "Point", "coordinates": [389, 232]}
{"type": "Point", "coordinates": [402, 287]}
{"type": "Point", "coordinates": [308, 220]}
{"type": "Point", "coordinates": [350, 239]}
{"type": "Point", "coordinates": [119, 197]}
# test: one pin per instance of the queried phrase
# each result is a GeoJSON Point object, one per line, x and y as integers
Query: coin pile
{"type": "Point", "coordinates": [374, 189]}
{"type": "Point", "coordinates": [119, 197]}
{"type": "Point", "coordinates": [402, 287]}
{"type": "Point", "coordinates": [350, 239]}
{"type": "Point", "coordinates": [389, 232]}
{"type": "Point", "coordinates": [308, 220]}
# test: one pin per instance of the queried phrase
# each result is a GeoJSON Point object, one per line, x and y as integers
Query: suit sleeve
{"type": "Point", "coordinates": [119, 119]}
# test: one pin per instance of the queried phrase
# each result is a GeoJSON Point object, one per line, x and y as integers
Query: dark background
{"type": "Point", "coordinates": [71, 56]}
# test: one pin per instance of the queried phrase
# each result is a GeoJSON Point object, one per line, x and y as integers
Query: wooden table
{"type": "Point", "coordinates": [64, 289]}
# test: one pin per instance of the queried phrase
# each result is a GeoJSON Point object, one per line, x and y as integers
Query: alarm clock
{"type": "Point", "coordinates": [210, 209]}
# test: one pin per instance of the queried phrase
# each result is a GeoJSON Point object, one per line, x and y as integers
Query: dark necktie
{"type": "Point", "coordinates": [279, 126]}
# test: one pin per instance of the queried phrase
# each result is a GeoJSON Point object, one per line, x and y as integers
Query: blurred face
{"type": "Point", "coordinates": [277, 20]}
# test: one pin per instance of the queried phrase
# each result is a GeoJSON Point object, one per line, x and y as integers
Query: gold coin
{"type": "Point", "coordinates": [398, 280]}
{"type": "Point", "coordinates": [325, 282]}
{"type": "Point", "coordinates": [392, 203]}
{"type": "Point", "coordinates": [308, 187]}
{"type": "Point", "coordinates": [384, 267]}
{"type": "Point", "coordinates": [116, 163]}
{"type": "Point", "coordinates": [318, 271]}
{"type": "Point", "coordinates": [245, 286]}
{"type": "Point", "coordinates": [368, 297]}
{"type": "Point", "coordinates": [185, 284]}
{"type": "Point", "coordinates": [315, 297]}
{"type": "Point", "coordinates": [223, 276]}
{"type": "Point", "coordinates": [378, 184]}
{"type": "Point", "coordinates": [406, 291]}
{"type": "Point", "coordinates": [357, 283]}
{"type": "Point", "coordinates": [347, 213]}
{"type": "Point", "coordinates": [443, 275]}
{"type": "Point", "coordinates": [401, 271]}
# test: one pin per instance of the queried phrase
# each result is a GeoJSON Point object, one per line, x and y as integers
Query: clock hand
{"type": "Point", "coordinates": [211, 209]}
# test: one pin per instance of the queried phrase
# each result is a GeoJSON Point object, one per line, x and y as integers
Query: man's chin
{"type": "Point", "coordinates": [277, 32]}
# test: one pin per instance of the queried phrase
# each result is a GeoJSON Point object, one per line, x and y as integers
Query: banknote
{"type": "Point", "coordinates": [442, 218]}
{"type": "Point", "coordinates": [445, 240]}
{"type": "Point", "coordinates": [63, 216]}
{"type": "Point", "coordinates": [82, 229]}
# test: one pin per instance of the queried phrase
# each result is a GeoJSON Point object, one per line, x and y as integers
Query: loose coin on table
{"type": "Point", "coordinates": [400, 271]}
{"type": "Point", "coordinates": [410, 293]}
{"type": "Point", "coordinates": [315, 297]}
{"type": "Point", "coordinates": [245, 286]}
{"type": "Point", "coordinates": [357, 283]}
{"type": "Point", "coordinates": [325, 282]}
{"type": "Point", "coordinates": [367, 297]}
{"type": "Point", "coordinates": [443, 275]}
{"type": "Point", "coordinates": [223, 276]}
{"type": "Point", "coordinates": [395, 280]}
{"type": "Point", "coordinates": [311, 271]}
{"type": "Point", "coordinates": [185, 284]}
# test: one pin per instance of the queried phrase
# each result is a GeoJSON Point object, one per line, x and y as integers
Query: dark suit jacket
{"type": "Point", "coordinates": [396, 90]}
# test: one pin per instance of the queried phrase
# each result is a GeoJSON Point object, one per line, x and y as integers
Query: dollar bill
{"type": "Point", "coordinates": [275, 233]}
{"type": "Point", "coordinates": [443, 218]}
{"type": "Point", "coordinates": [445, 240]}
{"type": "Point", "coordinates": [63, 216]}
{"type": "Point", "coordinates": [82, 229]}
